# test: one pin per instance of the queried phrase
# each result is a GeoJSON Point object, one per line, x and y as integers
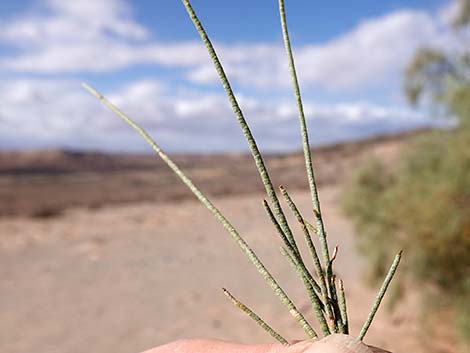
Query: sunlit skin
{"type": "Point", "coordinates": [333, 344]}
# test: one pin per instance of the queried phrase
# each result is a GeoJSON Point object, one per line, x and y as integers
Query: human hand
{"type": "Point", "coordinates": [335, 343]}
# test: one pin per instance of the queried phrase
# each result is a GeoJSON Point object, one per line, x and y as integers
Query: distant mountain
{"type": "Point", "coordinates": [58, 161]}
{"type": "Point", "coordinates": [44, 184]}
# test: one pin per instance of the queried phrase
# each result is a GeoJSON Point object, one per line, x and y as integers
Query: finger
{"type": "Point", "coordinates": [378, 350]}
{"type": "Point", "coordinates": [213, 346]}
{"type": "Point", "coordinates": [335, 343]}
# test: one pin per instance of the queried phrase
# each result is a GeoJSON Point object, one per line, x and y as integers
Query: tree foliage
{"type": "Point", "coordinates": [443, 78]}
{"type": "Point", "coordinates": [422, 204]}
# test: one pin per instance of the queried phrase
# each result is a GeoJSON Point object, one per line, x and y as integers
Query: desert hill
{"type": "Point", "coordinates": [46, 182]}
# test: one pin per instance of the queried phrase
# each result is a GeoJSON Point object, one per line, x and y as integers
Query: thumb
{"type": "Point", "coordinates": [334, 343]}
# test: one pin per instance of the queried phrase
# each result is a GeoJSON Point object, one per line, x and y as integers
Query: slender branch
{"type": "Point", "coordinates": [333, 291]}
{"type": "Point", "coordinates": [256, 318]}
{"type": "Point", "coordinates": [343, 307]}
{"type": "Point", "coordinates": [313, 253]}
{"type": "Point", "coordinates": [335, 305]}
{"type": "Point", "coordinates": [302, 271]}
{"type": "Point", "coordinates": [333, 257]}
{"type": "Point", "coordinates": [241, 120]}
{"type": "Point", "coordinates": [380, 295]}
{"type": "Point", "coordinates": [217, 214]}
{"type": "Point", "coordinates": [306, 145]}
{"type": "Point", "coordinates": [292, 247]}
{"type": "Point", "coordinates": [332, 306]}
{"type": "Point", "coordinates": [316, 302]}
{"type": "Point", "coordinates": [311, 227]}
{"type": "Point", "coordinates": [289, 241]}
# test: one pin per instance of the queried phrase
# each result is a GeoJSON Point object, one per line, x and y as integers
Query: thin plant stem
{"type": "Point", "coordinates": [217, 214]}
{"type": "Point", "coordinates": [241, 120]}
{"type": "Point", "coordinates": [333, 292]}
{"type": "Point", "coordinates": [311, 227]}
{"type": "Point", "coordinates": [333, 257]}
{"type": "Point", "coordinates": [256, 318]}
{"type": "Point", "coordinates": [335, 305]}
{"type": "Point", "coordinates": [324, 296]}
{"type": "Point", "coordinates": [292, 248]}
{"type": "Point", "coordinates": [290, 244]}
{"type": "Point", "coordinates": [313, 253]}
{"type": "Point", "coordinates": [316, 302]}
{"type": "Point", "coordinates": [380, 295]}
{"type": "Point", "coordinates": [306, 147]}
{"type": "Point", "coordinates": [301, 271]}
{"type": "Point", "coordinates": [343, 307]}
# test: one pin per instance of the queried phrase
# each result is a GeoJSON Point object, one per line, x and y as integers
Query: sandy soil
{"type": "Point", "coordinates": [126, 278]}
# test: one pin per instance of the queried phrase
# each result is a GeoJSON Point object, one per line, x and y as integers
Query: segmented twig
{"type": "Point", "coordinates": [289, 242]}
{"type": "Point", "coordinates": [306, 148]}
{"type": "Point", "coordinates": [312, 228]}
{"type": "Point", "coordinates": [380, 295]}
{"type": "Point", "coordinates": [255, 317]}
{"type": "Point", "coordinates": [343, 307]}
{"type": "Point", "coordinates": [334, 301]}
{"type": "Point", "coordinates": [333, 307]}
{"type": "Point", "coordinates": [313, 253]}
{"type": "Point", "coordinates": [241, 120]}
{"type": "Point", "coordinates": [317, 304]}
{"type": "Point", "coordinates": [218, 215]}
{"type": "Point", "coordinates": [293, 249]}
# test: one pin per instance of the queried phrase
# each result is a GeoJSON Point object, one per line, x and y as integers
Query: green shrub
{"type": "Point", "coordinates": [421, 205]}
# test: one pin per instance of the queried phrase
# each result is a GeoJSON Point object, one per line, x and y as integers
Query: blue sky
{"type": "Point", "coordinates": [146, 56]}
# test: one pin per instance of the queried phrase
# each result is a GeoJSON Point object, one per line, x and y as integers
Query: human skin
{"type": "Point", "coordinates": [332, 344]}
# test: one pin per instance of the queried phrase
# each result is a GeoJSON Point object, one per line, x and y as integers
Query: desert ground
{"type": "Point", "coordinates": [111, 254]}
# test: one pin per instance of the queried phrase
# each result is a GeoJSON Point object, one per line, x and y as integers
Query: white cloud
{"type": "Point", "coordinates": [41, 113]}
{"type": "Point", "coordinates": [376, 50]}
{"type": "Point", "coordinates": [75, 36]}
{"type": "Point", "coordinates": [71, 36]}
{"type": "Point", "coordinates": [58, 22]}
{"type": "Point", "coordinates": [66, 37]}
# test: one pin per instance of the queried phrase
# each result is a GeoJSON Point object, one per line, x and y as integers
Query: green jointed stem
{"type": "Point", "coordinates": [241, 120]}
{"type": "Point", "coordinates": [306, 148]}
{"type": "Point", "coordinates": [335, 305]}
{"type": "Point", "coordinates": [256, 318]}
{"type": "Point", "coordinates": [316, 302]}
{"type": "Point", "coordinates": [290, 243]}
{"type": "Point", "coordinates": [298, 99]}
{"type": "Point", "coordinates": [302, 271]}
{"type": "Point", "coordinates": [217, 214]}
{"type": "Point", "coordinates": [343, 308]}
{"type": "Point", "coordinates": [292, 247]}
{"type": "Point", "coordinates": [380, 295]}
{"type": "Point", "coordinates": [334, 291]}
{"type": "Point", "coordinates": [313, 253]}
{"type": "Point", "coordinates": [311, 227]}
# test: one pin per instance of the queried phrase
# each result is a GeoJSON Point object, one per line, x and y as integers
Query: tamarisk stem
{"type": "Point", "coordinates": [307, 154]}
{"type": "Point", "coordinates": [313, 253]}
{"type": "Point", "coordinates": [380, 295]}
{"type": "Point", "coordinates": [292, 247]}
{"type": "Point", "coordinates": [343, 308]}
{"type": "Point", "coordinates": [316, 302]}
{"type": "Point", "coordinates": [215, 211]}
{"type": "Point", "coordinates": [241, 120]}
{"type": "Point", "coordinates": [256, 318]}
